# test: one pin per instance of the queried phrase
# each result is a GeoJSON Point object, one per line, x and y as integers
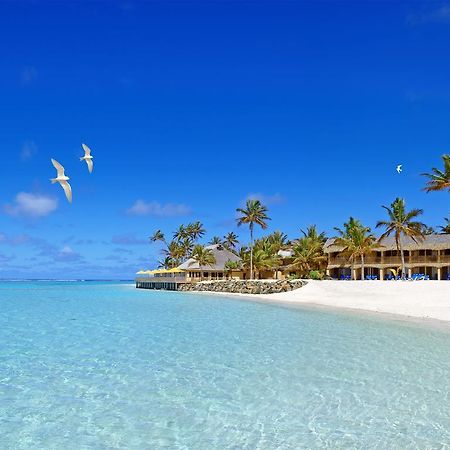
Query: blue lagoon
{"type": "Point", "coordinates": [102, 365]}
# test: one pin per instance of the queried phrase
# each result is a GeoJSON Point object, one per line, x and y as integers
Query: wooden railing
{"type": "Point", "coordinates": [394, 260]}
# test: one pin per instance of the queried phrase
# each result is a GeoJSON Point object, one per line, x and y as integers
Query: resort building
{"type": "Point", "coordinates": [190, 272]}
{"type": "Point", "coordinates": [430, 257]}
{"type": "Point", "coordinates": [193, 272]}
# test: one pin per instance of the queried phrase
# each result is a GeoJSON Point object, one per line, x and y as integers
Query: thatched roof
{"type": "Point", "coordinates": [221, 254]}
{"type": "Point", "coordinates": [431, 242]}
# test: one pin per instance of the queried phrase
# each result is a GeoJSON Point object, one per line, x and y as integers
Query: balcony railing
{"type": "Point", "coordinates": [394, 260]}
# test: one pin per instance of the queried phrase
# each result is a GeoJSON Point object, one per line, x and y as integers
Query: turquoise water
{"type": "Point", "coordinates": [104, 366]}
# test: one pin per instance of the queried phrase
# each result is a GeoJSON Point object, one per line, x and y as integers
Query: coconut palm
{"type": "Point", "coordinates": [175, 252]}
{"type": "Point", "coordinates": [165, 263]}
{"type": "Point", "coordinates": [277, 240]}
{"type": "Point", "coordinates": [312, 233]}
{"type": "Point", "coordinates": [253, 213]}
{"type": "Point", "coordinates": [307, 254]}
{"type": "Point", "coordinates": [195, 230]}
{"type": "Point", "coordinates": [264, 260]}
{"type": "Point", "coordinates": [400, 224]}
{"type": "Point", "coordinates": [181, 234]}
{"type": "Point", "coordinates": [230, 240]}
{"type": "Point", "coordinates": [439, 180]}
{"type": "Point", "coordinates": [216, 240]}
{"type": "Point", "coordinates": [446, 228]}
{"type": "Point", "coordinates": [427, 231]}
{"type": "Point", "coordinates": [357, 241]}
{"type": "Point", "coordinates": [158, 235]}
{"type": "Point", "coordinates": [204, 257]}
{"type": "Point", "coordinates": [230, 266]}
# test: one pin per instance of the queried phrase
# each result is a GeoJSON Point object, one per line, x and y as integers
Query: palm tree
{"type": "Point", "coordinates": [264, 260]}
{"type": "Point", "coordinates": [216, 240]}
{"type": "Point", "coordinates": [230, 240]}
{"type": "Point", "coordinates": [195, 230]}
{"type": "Point", "coordinates": [175, 252]}
{"type": "Point", "coordinates": [439, 180]}
{"type": "Point", "coordinates": [427, 231]}
{"type": "Point", "coordinates": [204, 257]}
{"type": "Point", "coordinates": [165, 263]}
{"type": "Point", "coordinates": [158, 235]}
{"type": "Point", "coordinates": [253, 213]}
{"type": "Point", "coordinates": [400, 224]}
{"type": "Point", "coordinates": [181, 234]}
{"type": "Point", "coordinates": [312, 233]}
{"type": "Point", "coordinates": [356, 241]}
{"type": "Point", "coordinates": [307, 254]}
{"type": "Point", "coordinates": [446, 228]}
{"type": "Point", "coordinates": [230, 266]}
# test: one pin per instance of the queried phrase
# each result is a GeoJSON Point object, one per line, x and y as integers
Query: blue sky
{"type": "Point", "coordinates": [191, 107]}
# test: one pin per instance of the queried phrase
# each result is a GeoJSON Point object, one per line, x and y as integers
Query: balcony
{"type": "Point", "coordinates": [392, 260]}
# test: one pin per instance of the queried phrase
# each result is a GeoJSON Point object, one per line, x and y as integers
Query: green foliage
{"type": "Point", "coordinates": [253, 213]}
{"type": "Point", "coordinates": [439, 180]}
{"type": "Point", "coordinates": [316, 275]}
{"type": "Point", "coordinates": [400, 224]}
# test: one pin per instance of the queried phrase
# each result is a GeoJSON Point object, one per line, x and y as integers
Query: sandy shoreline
{"type": "Point", "coordinates": [422, 300]}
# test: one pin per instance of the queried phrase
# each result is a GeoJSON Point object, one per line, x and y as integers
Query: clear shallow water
{"type": "Point", "coordinates": [104, 366]}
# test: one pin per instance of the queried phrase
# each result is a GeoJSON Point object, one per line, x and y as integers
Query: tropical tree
{"type": "Point", "coordinates": [175, 252]}
{"type": "Point", "coordinates": [402, 223]}
{"type": "Point", "coordinates": [264, 260]}
{"type": "Point", "coordinates": [277, 241]}
{"type": "Point", "coordinates": [439, 180]}
{"type": "Point", "coordinates": [308, 253]}
{"type": "Point", "coordinates": [253, 214]}
{"type": "Point", "coordinates": [215, 240]}
{"type": "Point", "coordinates": [357, 241]}
{"type": "Point", "coordinates": [445, 229]}
{"type": "Point", "coordinates": [204, 257]}
{"type": "Point", "coordinates": [230, 266]}
{"type": "Point", "coordinates": [428, 230]}
{"type": "Point", "coordinates": [165, 263]}
{"type": "Point", "coordinates": [181, 233]}
{"type": "Point", "coordinates": [195, 231]}
{"type": "Point", "coordinates": [158, 235]}
{"type": "Point", "coordinates": [312, 234]}
{"type": "Point", "coordinates": [230, 240]}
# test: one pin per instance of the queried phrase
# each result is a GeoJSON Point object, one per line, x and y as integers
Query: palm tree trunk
{"type": "Point", "coordinates": [353, 274]}
{"type": "Point", "coordinates": [201, 272]}
{"type": "Point", "coordinates": [362, 267]}
{"type": "Point", "coordinates": [402, 253]}
{"type": "Point", "coordinates": [251, 251]}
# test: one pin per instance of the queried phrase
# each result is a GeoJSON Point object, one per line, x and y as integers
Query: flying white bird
{"type": "Point", "coordinates": [62, 179]}
{"type": "Point", "coordinates": [87, 157]}
{"type": "Point", "coordinates": [399, 168]}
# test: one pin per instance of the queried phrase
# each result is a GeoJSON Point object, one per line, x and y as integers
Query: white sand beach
{"type": "Point", "coordinates": [418, 299]}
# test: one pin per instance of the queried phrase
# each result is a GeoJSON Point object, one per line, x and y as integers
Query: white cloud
{"type": "Point", "coordinates": [128, 239]}
{"type": "Point", "coordinates": [440, 14]}
{"type": "Point", "coordinates": [28, 150]}
{"type": "Point", "coordinates": [141, 208]}
{"type": "Point", "coordinates": [27, 204]}
{"type": "Point", "coordinates": [66, 254]}
{"type": "Point", "coordinates": [267, 200]}
{"type": "Point", "coordinates": [28, 75]}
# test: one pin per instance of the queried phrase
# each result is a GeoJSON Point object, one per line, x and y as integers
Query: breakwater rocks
{"type": "Point", "coordinates": [244, 286]}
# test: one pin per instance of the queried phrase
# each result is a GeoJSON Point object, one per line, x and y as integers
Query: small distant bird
{"type": "Point", "coordinates": [87, 157]}
{"type": "Point", "coordinates": [399, 168]}
{"type": "Point", "coordinates": [62, 179]}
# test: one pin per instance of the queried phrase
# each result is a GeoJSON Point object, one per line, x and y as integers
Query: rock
{"type": "Point", "coordinates": [244, 286]}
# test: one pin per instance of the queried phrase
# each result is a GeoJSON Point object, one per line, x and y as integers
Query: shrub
{"type": "Point", "coordinates": [316, 275]}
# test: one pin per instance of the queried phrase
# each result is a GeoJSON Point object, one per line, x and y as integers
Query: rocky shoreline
{"type": "Point", "coordinates": [244, 286]}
